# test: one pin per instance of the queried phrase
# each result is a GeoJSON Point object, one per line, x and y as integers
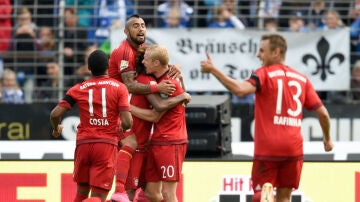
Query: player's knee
{"type": "Point", "coordinates": [153, 196]}
{"type": "Point", "coordinates": [168, 196]}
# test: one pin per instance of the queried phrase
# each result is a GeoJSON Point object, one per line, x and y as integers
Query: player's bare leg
{"type": "Point", "coordinates": [153, 191]}
{"type": "Point", "coordinates": [169, 191]}
{"type": "Point", "coordinates": [283, 194]}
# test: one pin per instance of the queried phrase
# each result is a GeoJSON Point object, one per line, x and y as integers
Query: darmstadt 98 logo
{"type": "Point", "coordinates": [323, 60]}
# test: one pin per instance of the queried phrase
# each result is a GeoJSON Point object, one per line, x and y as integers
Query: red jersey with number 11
{"type": "Point", "coordinates": [100, 100]}
{"type": "Point", "coordinates": [281, 94]}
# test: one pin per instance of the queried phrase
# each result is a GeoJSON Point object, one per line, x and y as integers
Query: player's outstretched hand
{"type": "Point", "coordinates": [328, 145]}
{"type": "Point", "coordinates": [56, 133]}
{"type": "Point", "coordinates": [207, 65]}
{"type": "Point", "coordinates": [174, 71]}
{"type": "Point", "coordinates": [166, 87]}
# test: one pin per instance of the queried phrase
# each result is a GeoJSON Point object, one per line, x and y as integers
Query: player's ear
{"type": "Point", "coordinates": [126, 31]}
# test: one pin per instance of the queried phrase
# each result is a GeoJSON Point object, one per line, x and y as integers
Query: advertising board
{"type": "Point", "coordinates": [203, 181]}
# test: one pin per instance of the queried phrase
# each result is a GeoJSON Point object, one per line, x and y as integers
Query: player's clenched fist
{"type": "Point", "coordinates": [56, 133]}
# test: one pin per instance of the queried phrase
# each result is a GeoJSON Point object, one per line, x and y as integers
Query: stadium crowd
{"type": "Point", "coordinates": [45, 43]}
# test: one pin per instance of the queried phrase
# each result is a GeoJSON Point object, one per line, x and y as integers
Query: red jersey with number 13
{"type": "Point", "coordinates": [281, 94]}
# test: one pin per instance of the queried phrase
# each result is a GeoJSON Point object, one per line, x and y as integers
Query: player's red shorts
{"type": "Point", "coordinates": [284, 173]}
{"type": "Point", "coordinates": [136, 175]}
{"type": "Point", "coordinates": [94, 163]}
{"type": "Point", "coordinates": [164, 162]}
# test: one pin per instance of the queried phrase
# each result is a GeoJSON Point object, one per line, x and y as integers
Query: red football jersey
{"type": "Point", "coordinates": [141, 128]}
{"type": "Point", "coordinates": [171, 129]}
{"type": "Point", "coordinates": [122, 59]}
{"type": "Point", "coordinates": [100, 100]}
{"type": "Point", "coordinates": [281, 94]}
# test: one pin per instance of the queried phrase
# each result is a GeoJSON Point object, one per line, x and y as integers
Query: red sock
{"type": "Point", "coordinates": [257, 196]}
{"type": "Point", "coordinates": [122, 167]}
{"type": "Point", "coordinates": [80, 197]}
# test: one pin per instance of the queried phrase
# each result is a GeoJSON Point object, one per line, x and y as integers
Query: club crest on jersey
{"type": "Point", "coordinates": [124, 64]}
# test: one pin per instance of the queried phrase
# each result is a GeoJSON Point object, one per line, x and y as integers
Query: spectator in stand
{"type": "Point", "coordinates": [315, 14]}
{"type": "Point", "coordinates": [223, 18]}
{"type": "Point", "coordinates": [270, 8]}
{"type": "Point", "coordinates": [233, 7]}
{"type": "Point", "coordinates": [84, 10]}
{"type": "Point", "coordinates": [46, 43]}
{"type": "Point", "coordinates": [11, 92]}
{"type": "Point", "coordinates": [75, 41]}
{"type": "Point", "coordinates": [24, 54]}
{"type": "Point", "coordinates": [108, 13]}
{"type": "Point", "coordinates": [25, 30]}
{"type": "Point", "coordinates": [332, 21]}
{"type": "Point", "coordinates": [355, 82]}
{"type": "Point", "coordinates": [355, 34]}
{"type": "Point", "coordinates": [185, 9]}
{"type": "Point", "coordinates": [173, 18]}
{"type": "Point", "coordinates": [297, 23]}
{"type": "Point", "coordinates": [289, 9]}
{"type": "Point", "coordinates": [42, 10]}
{"type": "Point", "coordinates": [271, 25]}
{"type": "Point", "coordinates": [83, 72]}
{"type": "Point", "coordinates": [5, 24]}
{"type": "Point", "coordinates": [48, 90]}
{"type": "Point", "coordinates": [147, 8]}
{"type": "Point", "coordinates": [210, 7]}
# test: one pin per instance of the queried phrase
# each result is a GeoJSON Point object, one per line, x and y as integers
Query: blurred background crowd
{"type": "Point", "coordinates": [44, 44]}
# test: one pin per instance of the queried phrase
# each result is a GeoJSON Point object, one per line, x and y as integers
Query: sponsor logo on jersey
{"type": "Point", "coordinates": [124, 64]}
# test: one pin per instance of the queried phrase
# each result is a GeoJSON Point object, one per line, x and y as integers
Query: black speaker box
{"type": "Point", "coordinates": [209, 109]}
{"type": "Point", "coordinates": [209, 140]}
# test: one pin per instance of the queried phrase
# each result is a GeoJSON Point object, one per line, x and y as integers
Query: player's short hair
{"type": "Point", "coordinates": [276, 41]}
{"type": "Point", "coordinates": [129, 19]}
{"type": "Point", "coordinates": [160, 53]}
{"type": "Point", "coordinates": [98, 62]}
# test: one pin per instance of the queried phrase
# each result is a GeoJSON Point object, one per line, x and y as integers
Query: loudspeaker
{"type": "Point", "coordinates": [208, 119]}
{"type": "Point", "coordinates": [209, 109]}
{"type": "Point", "coordinates": [211, 140]}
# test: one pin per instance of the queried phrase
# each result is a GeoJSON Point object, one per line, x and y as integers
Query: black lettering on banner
{"type": "Point", "coordinates": [187, 46]}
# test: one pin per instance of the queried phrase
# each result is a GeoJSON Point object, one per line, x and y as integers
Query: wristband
{"type": "Point", "coordinates": [153, 88]}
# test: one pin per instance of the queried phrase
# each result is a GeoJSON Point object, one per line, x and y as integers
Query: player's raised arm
{"type": "Point", "coordinates": [238, 88]}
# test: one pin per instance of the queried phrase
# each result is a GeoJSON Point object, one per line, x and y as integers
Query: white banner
{"type": "Point", "coordinates": [324, 56]}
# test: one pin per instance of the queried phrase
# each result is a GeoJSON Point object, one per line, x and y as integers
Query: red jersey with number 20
{"type": "Point", "coordinates": [122, 59]}
{"type": "Point", "coordinates": [171, 129]}
{"type": "Point", "coordinates": [281, 94]}
{"type": "Point", "coordinates": [100, 100]}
